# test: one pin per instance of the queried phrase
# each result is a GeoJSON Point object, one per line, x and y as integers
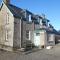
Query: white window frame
{"type": "Point", "coordinates": [6, 35]}
{"type": "Point", "coordinates": [30, 20]}
{"type": "Point", "coordinates": [7, 18]}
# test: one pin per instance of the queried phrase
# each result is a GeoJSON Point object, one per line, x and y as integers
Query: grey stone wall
{"type": "Point", "coordinates": [43, 38]}
{"type": "Point", "coordinates": [4, 14]}
{"type": "Point", "coordinates": [50, 39]}
{"type": "Point", "coordinates": [17, 33]}
{"type": "Point", "coordinates": [26, 26]}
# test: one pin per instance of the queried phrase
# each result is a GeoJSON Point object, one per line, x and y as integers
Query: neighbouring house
{"type": "Point", "coordinates": [44, 33]}
{"type": "Point", "coordinates": [20, 28]}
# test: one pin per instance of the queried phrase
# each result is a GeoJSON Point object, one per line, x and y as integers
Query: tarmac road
{"type": "Point", "coordinates": [52, 54]}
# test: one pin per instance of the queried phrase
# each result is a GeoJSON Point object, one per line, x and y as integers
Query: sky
{"type": "Point", "coordinates": [51, 8]}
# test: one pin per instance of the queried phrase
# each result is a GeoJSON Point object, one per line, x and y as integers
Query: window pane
{"type": "Point", "coordinates": [28, 35]}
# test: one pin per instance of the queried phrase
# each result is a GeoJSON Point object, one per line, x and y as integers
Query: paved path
{"type": "Point", "coordinates": [53, 54]}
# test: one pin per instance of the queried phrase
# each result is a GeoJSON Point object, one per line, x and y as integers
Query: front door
{"type": "Point", "coordinates": [37, 39]}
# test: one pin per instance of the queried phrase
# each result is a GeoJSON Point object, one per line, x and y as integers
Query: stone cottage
{"type": "Point", "coordinates": [20, 28]}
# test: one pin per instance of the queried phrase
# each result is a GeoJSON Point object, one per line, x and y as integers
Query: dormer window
{"type": "Point", "coordinates": [44, 22]}
{"type": "Point", "coordinates": [30, 18]}
{"type": "Point", "coordinates": [41, 22]}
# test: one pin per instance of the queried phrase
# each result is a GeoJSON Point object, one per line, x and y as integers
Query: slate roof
{"type": "Point", "coordinates": [1, 6]}
{"type": "Point", "coordinates": [53, 31]}
{"type": "Point", "coordinates": [17, 12]}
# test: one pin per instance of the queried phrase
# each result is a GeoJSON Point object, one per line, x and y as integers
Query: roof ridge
{"type": "Point", "coordinates": [15, 6]}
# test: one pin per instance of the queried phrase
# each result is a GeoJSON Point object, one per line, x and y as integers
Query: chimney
{"type": "Point", "coordinates": [6, 1]}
